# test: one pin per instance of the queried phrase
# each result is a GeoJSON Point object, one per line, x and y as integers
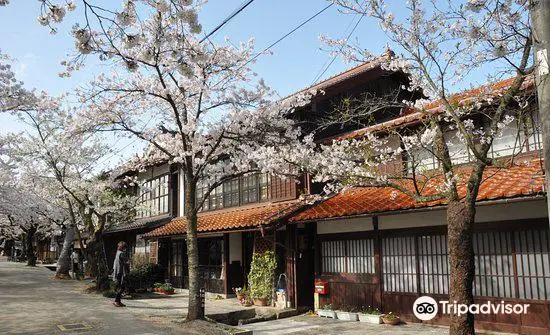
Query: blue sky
{"type": "Point", "coordinates": [294, 64]}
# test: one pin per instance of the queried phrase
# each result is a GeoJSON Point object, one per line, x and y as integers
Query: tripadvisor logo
{"type": "Point", "coordinates": [425, 308]}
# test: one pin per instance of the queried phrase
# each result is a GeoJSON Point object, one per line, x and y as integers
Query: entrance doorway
{"type": "Point", "coordinates": [305, 265]}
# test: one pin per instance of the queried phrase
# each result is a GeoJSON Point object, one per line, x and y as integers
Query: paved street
{"type": "Point", "coordinates": [33, 303]}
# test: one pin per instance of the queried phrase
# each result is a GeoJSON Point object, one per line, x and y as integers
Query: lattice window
{"type": "Point", "coordinates": [360, 256]}
{"type": "Point", "coordinates": [249, 187]}
{"type": "Point", "coordinates": [333, 256]}
{"type": "Point", "coordinates": [265, 183]}
{"type": "Point", "coordinates": [533, 264]}
{"type": "Point", "coordinates": [231, 193]}
{"type": "Point", "coordinates": [154, 197]}
{"type": "Point", "coordinates": [216, 197]}
{"type": "Point", "coordinates": [177, 259]}
{"type": "Point", "coordinates": [350, 256]}
{"type": "Point", "coordinates": [434, 267]}
{"type": "Point", "coordinates": [399, 264]}
{"type": "Point", "coordinates": [494, 264]}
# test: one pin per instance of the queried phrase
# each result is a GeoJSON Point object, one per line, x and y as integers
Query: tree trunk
{"type": "Point", "coordinates": [460, 221]}
{"type": "Point", "coordinates": [540, 17]}
{"type": "Point", "coordinates": [64, 261]}
{"type": "Point", "coordinates": [196, 304]}
{"type": "Point", "coordinates": [97, 264]}
{"type": "Point", "coordinates": [8, 248]}
{"type": "Point", "coordinates": [31, 255]}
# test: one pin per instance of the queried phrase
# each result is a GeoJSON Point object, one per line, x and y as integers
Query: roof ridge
{"type": "Point", "coordinates": [433, 106]}
{"type": "Point", "coordinates": [367, 65]}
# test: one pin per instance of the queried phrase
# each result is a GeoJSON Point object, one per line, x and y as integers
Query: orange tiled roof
{"type": "Point", "coordinates": [232, 218]}
{"type": "Point", "coordinates": [412, 116]}
{"type": "Point", "coordinates": [525, 179]}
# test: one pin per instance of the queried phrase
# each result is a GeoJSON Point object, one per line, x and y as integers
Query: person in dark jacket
{"type": "Point", "coordinates": [121, 268]}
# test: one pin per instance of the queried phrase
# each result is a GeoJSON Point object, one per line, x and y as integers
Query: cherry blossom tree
{"type": "Point", "coordinates": [26, 211]}
{"type": "Point", "coordinates": [441, 44]}
{"type": "Point", "coordinates": [12, 93]}
{"type": "Point", "coordinates": [51, 150]}
{"type": "Point", "coordinates": [196, 105]}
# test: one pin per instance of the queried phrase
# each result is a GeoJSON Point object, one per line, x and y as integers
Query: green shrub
{"type": "Point", "coordinates": [139, 260]}
{"type": "Point", "coordinates": [328, 307]}
{"type": "Point", "coordinates": [262, 275]}
{"type": "Point", "coordinates": [370, 310]}
{"type": "Point", "coordinates": [143, 277]}
{"type": "Point", "coordinates": [167, 287]}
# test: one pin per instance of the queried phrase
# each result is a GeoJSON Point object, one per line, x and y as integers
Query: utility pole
{"type": "Point", "coordinates": [540, 25]}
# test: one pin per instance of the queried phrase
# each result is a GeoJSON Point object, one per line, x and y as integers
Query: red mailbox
{"type": "Point", "coordinates": [321, 287]}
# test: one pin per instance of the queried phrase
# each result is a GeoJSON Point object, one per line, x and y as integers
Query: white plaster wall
{"type": "Point", "coordinates": [235, 247]}
{"type": "Point", "coordinates": [500, 212]}
{"type": "Point", "coordinates": [181, 195]}
{"type": "Point", "coordinates": [344, 225]}
{"type": "Point", "coordinates": [153, 172]}
{"type": "Point", "coordinates": [512, 211]}
{"type": "Point", "coordinates": [410, 220]}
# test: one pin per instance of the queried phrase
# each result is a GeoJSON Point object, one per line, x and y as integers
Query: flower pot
{"type": "Point", "coordinates": [240, 297]}
{"type": "Point", "coordinates": [346, 316]}
{"type": "Point", "coordinates": [370, 318]}
{"type": "Point", "coordinates": [170, 292]}
{"type": "Point", "coordinates": [260, 301]}
{"type": "Point", "coordinates": [326, 313]}
{"type": "Point", "coordinates": [393, 321]}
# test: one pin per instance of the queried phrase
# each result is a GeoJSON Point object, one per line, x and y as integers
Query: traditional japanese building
{"type": "Point", "coordinates": [374, 246]}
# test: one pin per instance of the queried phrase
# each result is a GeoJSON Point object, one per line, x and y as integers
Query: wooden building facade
{"type": "Point", "coordinates": [375, 246]}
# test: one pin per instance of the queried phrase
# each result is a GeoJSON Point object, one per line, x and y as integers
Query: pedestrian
{"type": "Point", "coordinates": [121, 268]}
{"type": "Point", "coordinates": [75, 259]}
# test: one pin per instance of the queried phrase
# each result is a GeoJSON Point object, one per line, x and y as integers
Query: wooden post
{"type": "Point", "coordinates": [291, 263]}
{"type": "Point", "coordinates": [225, 262]}
{"type": "Point", "coordinates": [378, 261]}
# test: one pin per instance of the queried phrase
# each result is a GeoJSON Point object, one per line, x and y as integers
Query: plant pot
{"type": "Point", "coordinates": [347, 316]}
{"type": "Point", "coordinates": [392, 322]}
{"type": "Point", "coordinates": [260, 301]}
{"type": "Point", "coordinates": [326, 313]}
{"type": "Point", "coordinates": [370, 318]}
{"type": "Point", "coordinates": [167, 292]}
{"type": "Point", "coordinates": [240, 297]}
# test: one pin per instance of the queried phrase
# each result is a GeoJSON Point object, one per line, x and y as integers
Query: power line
{"type": "Point", "coordinates": [288, 34]}
{"type": "Point", "coordinates": [218, 27]}
{"type": "Point", "coordinates": [227, 19]}
{"type": "Point", "coordinates": [278, 41]}
{"type": "Point", "coordinates": [265, 49]}
{"type": "Point", "coordinates": [335, 56]}
{"type": "Point", "coordinates": [348, 28]}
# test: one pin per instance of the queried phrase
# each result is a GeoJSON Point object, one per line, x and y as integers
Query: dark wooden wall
{"type": "Point", "coordinates": [357, 290]}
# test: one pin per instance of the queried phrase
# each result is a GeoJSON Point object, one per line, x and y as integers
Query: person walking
{"type": "Point", "coordinates": [121, 268]}
{"type": "Point", "coordinates": [75, 259]}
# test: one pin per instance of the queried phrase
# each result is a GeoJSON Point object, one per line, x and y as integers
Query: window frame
{"type": "Point", "coordinates": [156, 200]}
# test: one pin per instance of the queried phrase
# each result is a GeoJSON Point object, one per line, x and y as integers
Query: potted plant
{"type": "Point", "coordinates": [390, 319]}
{"type": "Point", "coordinates": [262, 277]}
{"type": "Point", "coordinates": [347, 313]}
{"type": "Point", "coordinates": [167, 289]}
{"type": "Point", "coordinates": [156, 287]}
{"type": "Point", "coordinates": [240, 292]}
{"type": "Point", "coordinates": [370, 315]}
{"type": "Point", "coordinates": [326, 311]}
